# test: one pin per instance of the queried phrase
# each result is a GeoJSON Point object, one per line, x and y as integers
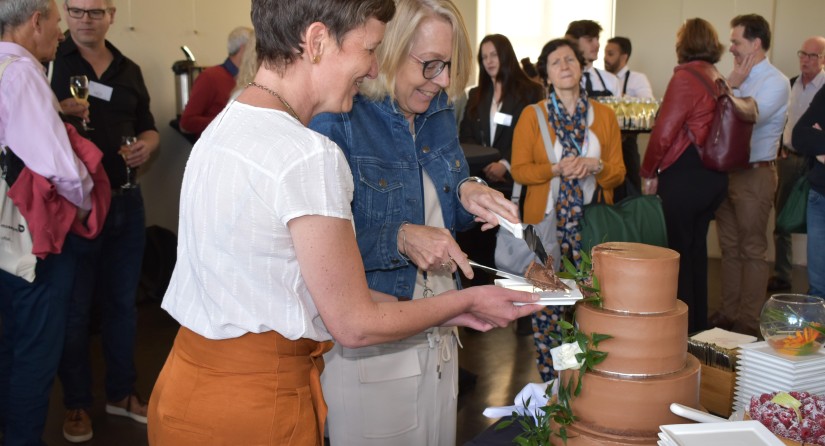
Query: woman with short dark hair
{"type": "Point", "coordinates": [585, 153]}
{"type": "Point", "coordinates": [672, 168]}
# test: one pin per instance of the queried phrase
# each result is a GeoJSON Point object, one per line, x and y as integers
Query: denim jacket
{"type": "Point", "coordinates": [386, 165]}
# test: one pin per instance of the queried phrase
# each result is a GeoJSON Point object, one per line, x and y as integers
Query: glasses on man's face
{"type": "Point", "coordinates": [77, 13]}
{"type": "Point", "coordinates": [803, 55]}
{"type": "Point", "coordinates": [432, 68]}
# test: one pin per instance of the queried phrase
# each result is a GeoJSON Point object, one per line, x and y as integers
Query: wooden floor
{"type": "Point", "coordinates": [503, 362]}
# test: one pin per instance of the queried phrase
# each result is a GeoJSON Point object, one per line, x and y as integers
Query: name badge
{"type": "Point", "coordinates": [100, 91]}
{"type": "Point", "coordinates": [503, 119]}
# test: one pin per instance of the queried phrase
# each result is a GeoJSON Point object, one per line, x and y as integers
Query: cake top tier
{"type": "Point", "coordinates": [635, 277]}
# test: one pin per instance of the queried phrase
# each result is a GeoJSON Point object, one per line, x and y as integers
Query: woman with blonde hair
{"type": "Point", "coordinates": [412, 192]}
{"type": "Point", "coordinates": [268, 270]}
{"type": "Point", "coordinates": [672, 168]}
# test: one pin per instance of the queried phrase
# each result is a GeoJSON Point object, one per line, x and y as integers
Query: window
{"type": "Point", "coordinates": [532, 23]}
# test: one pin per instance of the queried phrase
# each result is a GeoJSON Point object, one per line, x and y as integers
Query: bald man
{"type": "Point", "coordinates": [790, 164]}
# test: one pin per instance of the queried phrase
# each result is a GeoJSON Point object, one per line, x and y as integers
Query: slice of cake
{"type": "Point", "coordinates": [543, 276]}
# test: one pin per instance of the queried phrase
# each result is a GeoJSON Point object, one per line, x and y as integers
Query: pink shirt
{"type": "Point", "coordinates": [31, 127]}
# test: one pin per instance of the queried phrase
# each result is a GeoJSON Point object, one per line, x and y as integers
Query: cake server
{"type": "Point", "coordinates": [695, 415]}
{"type": "Point", "coordinates": [534, 242]}
{"type": "Point", "coordinates": [526, 233]}
{"type": "Point", "coordinates": [515, 228]}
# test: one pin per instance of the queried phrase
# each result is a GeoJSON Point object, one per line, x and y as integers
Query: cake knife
{"type": "Point", "coordinates": [498, 272]}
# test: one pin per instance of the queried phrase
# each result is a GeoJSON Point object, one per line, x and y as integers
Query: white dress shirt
{"type": "Point", "coordinates": [801, 97]}
{"type": "Point", "coordinates": [637, 84]}
{"type": "Point", "coordinates": [252, 171]}
{"type": "Point", "coordinates": [771, 89]}
{"type": "Point", "coordinates": [602, 80]}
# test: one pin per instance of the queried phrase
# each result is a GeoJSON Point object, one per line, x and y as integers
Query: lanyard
{"type": "Point", "coordinates": [582, 151]}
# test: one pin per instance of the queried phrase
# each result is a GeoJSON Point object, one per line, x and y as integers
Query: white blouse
{"type": "Point", "coordinates": [251, 172]}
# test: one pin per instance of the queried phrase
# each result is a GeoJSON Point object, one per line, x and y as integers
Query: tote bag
{"type": "Point", "coordinates": [637, 219]}
{"type": "Point", "coordinates": [15, 238]}
{"type": "Point", "coordinates": [792, 219]}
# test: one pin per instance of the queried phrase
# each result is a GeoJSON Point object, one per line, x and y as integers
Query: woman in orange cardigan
{"type": "Point", "coordinates": [586, 152]}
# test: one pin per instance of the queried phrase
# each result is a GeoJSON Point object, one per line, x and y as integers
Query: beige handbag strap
{"type": "Point", "coordinates": [3, 66]}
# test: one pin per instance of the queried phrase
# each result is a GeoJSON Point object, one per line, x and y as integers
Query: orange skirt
{"type": "Point", "coordinates": [258, 389]}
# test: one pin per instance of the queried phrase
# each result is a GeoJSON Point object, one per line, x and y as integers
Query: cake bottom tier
{"type": "Point", "coordinates": [630, 410]}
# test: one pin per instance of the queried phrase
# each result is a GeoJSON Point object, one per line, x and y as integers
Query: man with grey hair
{"type": "Point", "coordinates": [214, 85]}
{"type": "Point", "coordinates": [34, 313]}
{"type": "Point", "coordinates": [790, 164]}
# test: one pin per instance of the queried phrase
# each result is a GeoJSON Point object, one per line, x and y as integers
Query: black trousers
{"type": "Point", "coordinates": [690, 196]}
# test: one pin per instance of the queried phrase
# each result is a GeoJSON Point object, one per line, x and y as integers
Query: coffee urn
{"type": "Point", "coordinates": [185, 73]}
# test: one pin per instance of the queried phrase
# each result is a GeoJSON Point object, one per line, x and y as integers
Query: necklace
{"type": "Point", "coordinates": [274, 93]}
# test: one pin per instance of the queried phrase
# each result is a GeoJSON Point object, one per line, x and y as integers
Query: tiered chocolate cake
{"type": "Point", "coordinates": [628, 396]}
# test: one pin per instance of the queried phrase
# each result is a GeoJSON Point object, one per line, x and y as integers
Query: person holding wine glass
{"type": "Point", "coordinates": [110, 270]}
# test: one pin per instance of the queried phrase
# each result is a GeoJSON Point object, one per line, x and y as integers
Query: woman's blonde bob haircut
{"type": "Point", "coordinates": [398, 39]}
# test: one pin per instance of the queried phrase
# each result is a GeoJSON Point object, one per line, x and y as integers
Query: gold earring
{"type": "Point", "coordinates": [316, 58]}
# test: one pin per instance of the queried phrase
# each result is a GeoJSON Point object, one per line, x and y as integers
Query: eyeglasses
{"type": "Point", "coordinates": [802, 55]}
{"type": "Point", "coordinates": [96, 14]}
{"type": "Point", "coordinates": [432, 68]}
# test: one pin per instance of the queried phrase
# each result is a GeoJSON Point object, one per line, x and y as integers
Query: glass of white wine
{"type": "Point", "coordinates": [79, 87]}
{"type": "Point", "coordinates": [131, 172]}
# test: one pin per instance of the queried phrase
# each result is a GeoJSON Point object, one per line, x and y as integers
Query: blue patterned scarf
{"type": "Point", "coordinates": [571, 132]}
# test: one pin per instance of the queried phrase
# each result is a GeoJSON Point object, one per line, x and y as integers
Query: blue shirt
{"type": "Point", "coordinates": [771, 90]}
{"type": "Point", "coordinates": [387, 163]}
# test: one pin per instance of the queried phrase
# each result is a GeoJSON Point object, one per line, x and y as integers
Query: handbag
{"type": "Point", "coordinates": [792, 219]}
{"type": "Point", "coordinates": [728, 145]}
{"type": "Point", "coordinates": [15, 238]}
{"type": "Point", "coordinates": [637, 219]}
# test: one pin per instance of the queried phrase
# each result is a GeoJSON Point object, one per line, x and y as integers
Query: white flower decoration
{"type": "Point", "coordinates": [564, 357]}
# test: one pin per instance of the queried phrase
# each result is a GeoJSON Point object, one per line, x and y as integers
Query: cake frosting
{"type": "Point", "coordinates": [625, 398]}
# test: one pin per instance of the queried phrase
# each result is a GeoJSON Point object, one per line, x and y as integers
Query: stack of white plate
{"type": "Point", "coordinates": [761, 370]}
{"type": "Point", "coordinates": [730, 433]}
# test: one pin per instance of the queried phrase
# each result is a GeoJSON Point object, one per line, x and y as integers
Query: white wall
{"type": "Point", "coordinates": [152, 31]}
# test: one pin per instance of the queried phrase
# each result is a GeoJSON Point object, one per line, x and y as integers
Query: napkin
{"type": "Point", "coordinates": [533, 391]}
{"type": "Point", "coordinates": [723, 338]}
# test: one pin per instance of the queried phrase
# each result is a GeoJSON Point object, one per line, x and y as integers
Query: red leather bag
{"type": "Point", "coordinates": [728, 145]}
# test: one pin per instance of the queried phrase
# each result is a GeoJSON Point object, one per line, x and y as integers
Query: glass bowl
{"type": "Point", "coordinates": [793, 324]}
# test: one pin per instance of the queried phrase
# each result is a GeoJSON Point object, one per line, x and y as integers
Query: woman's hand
{"type": "Point", "coordinates": [494, 172]}
{"type": "Point", "coordinates": [577, 167]}
{"type": "Point", "coordinates": [482, 201]}
{"type": "Point", "coordinates": [493, 306]}
{"type": "Point", "coordinates": [650, 185]}
{"type": "Point", "coordinates": [432, 249]}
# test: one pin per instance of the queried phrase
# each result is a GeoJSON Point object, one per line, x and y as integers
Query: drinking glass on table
{"type": "Point", "coordinates": [79, 87]}
{"type": "Point", "coordinates": [126, 144]}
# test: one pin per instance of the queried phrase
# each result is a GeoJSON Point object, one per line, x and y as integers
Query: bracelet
{"type": "Point", "coordinates": [473, 179]}
{"type": "Point", "coordinates": [403, 239]}
{"type": "Point", "coordinates": [599, 168]}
